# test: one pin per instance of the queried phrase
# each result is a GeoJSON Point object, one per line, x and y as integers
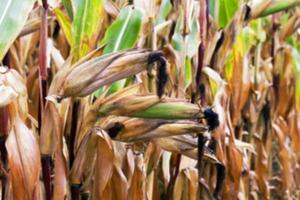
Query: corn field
{"type": "Point", "coordinates": [149, 99]}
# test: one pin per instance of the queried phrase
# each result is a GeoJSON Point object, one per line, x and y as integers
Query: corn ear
{"type": "Point", "coordinates": [170, 110]}
{"type": "Point", "coordinates": [85, 78]}
{"type": "Point", "coordinates": [138, 129]}
{"type": "Point", "coordinates": [127, 103]}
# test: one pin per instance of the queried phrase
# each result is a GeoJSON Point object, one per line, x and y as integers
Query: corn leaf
{"type": "Point", "coordinates": [164, 11]}
{"type": "Point", "coordinates": [64, 23]}
{"type": "Point", "coordinates": [228, 9]}
{"type": "Point", "coordinates": [68, 5]}
{"type": "Point", "coordinates": [123, 33]}
{"type": "Point", "coordinates": [13, 16]}
{"type": "Point", "coordinates": [278, 6]}
{"type": "Point", "coordinates": [85, 27]}
{"type": "Point", "coordinates": [23, 160]}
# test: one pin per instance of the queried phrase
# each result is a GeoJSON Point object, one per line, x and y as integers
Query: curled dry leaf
{"type": "Point", "coordinates": [12, 86]}
{"type": "Point", "coordinates": [7, 95]}
{"type": "Point", "coordinates": [49, 134]}
{"type": "Point", "coordinates": [23, 161]}
{"type": "Point", "coordinates": [137, 189]}
{"type": "Point", "coordinates": [104, 165]}
{"type": "Point", "coordinates": [186, 184]}
{"type": "Point", "coordinates": [85, 159]}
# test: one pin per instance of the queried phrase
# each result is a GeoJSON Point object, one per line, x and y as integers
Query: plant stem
{"type": "Point", "coordinates": [3, 137]}
{"type": "Point", "coordinates": [73, 131]}
{"type": "Point", "coordinates": [220, 180]}
{"type": "Point", "coordinates": [46, 170]}
{"type": "Point", "coordinates": [43, 53]}
{"type": "Point", "coordinates": [201, 144]}
{"type": "Point", "coordinates": [85, 196]}
{"type": "Point", "coordinates": [3, 132]}
{"type": "Point", "coordinates": [4, 120]}
{"type": "Point", "coordinates": [75, 191]}
{"type": "Point", "coordinates": [46, 160]}
{"type": "Point", "coordinates": [204, 28]}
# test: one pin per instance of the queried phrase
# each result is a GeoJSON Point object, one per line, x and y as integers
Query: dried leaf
{"type": "Point", "coordinates": [23, 161]}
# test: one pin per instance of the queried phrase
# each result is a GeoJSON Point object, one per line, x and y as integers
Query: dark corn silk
{"type": "Point", "coordinates": [162, 75]}
{"type": "Point", "coordinates": [212, 119]}
{"type": "Point", "coordinates": [115, 129]}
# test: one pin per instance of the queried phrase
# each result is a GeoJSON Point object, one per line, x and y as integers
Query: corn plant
{"type": "Point", "coordinates": [149, 99]}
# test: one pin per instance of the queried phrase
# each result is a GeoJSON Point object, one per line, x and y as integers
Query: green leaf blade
{"type": "Point", "coordinates": [123, 33]}
{"type": "Point", "coordinates": [227, 9]}
{"type": "Point", "coordinates": [64, 23]}
{"type": "Point", "coordinates": [85, 27]}
{"type": "Point", "coordinates": [13, 16]}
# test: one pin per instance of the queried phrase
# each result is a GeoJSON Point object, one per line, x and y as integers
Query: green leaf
{"type": "Point", "coordinates": [177, 38]}
{"type": "Point", "coordinates": [69, 7]}
{"type": "Point", "coordinates": [229, 68]}
{"type": "Point", "coordinates": [278, 6]}
{"type": "Point", "coordinates": [241, 47]}
{"type": "Point", "coordinates": [64, 23]}
{"type": "Point", "coordinates": [213, 86]}
{"type": "Point", "coordinates": [13, 16]}
{"type": "Point", "coordinates": [296, 71]}
{"type": "Point", "coordinates": [227, 9]}
{"type": "Point", "coordinates": [85, 28]}
{"type": "Point", "coordinates": [296, 60]}
{"type": "Point", "coordinates": [259, 32]}
{"type": "Point", "coordinates": [188, 72]}
{"type": "Point", "coordinates": [122, 34]}
{"type": "Point", "coordinates": [212, 5]}
{"type": "Point", "coordinates": [193, 39]}
{"type": "Point", "coordinates": [164, 11]}
{"type": "Point", "coordinates": [75, 5]}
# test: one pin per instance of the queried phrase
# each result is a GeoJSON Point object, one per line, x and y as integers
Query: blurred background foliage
{"type": "Point", "coordinates": [150, 99]}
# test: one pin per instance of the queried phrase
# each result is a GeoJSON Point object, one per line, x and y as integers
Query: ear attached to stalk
{"type": "Point", "coordinates": [85, 78]}
{"type": "Point", "coordinates": [162, 74]}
